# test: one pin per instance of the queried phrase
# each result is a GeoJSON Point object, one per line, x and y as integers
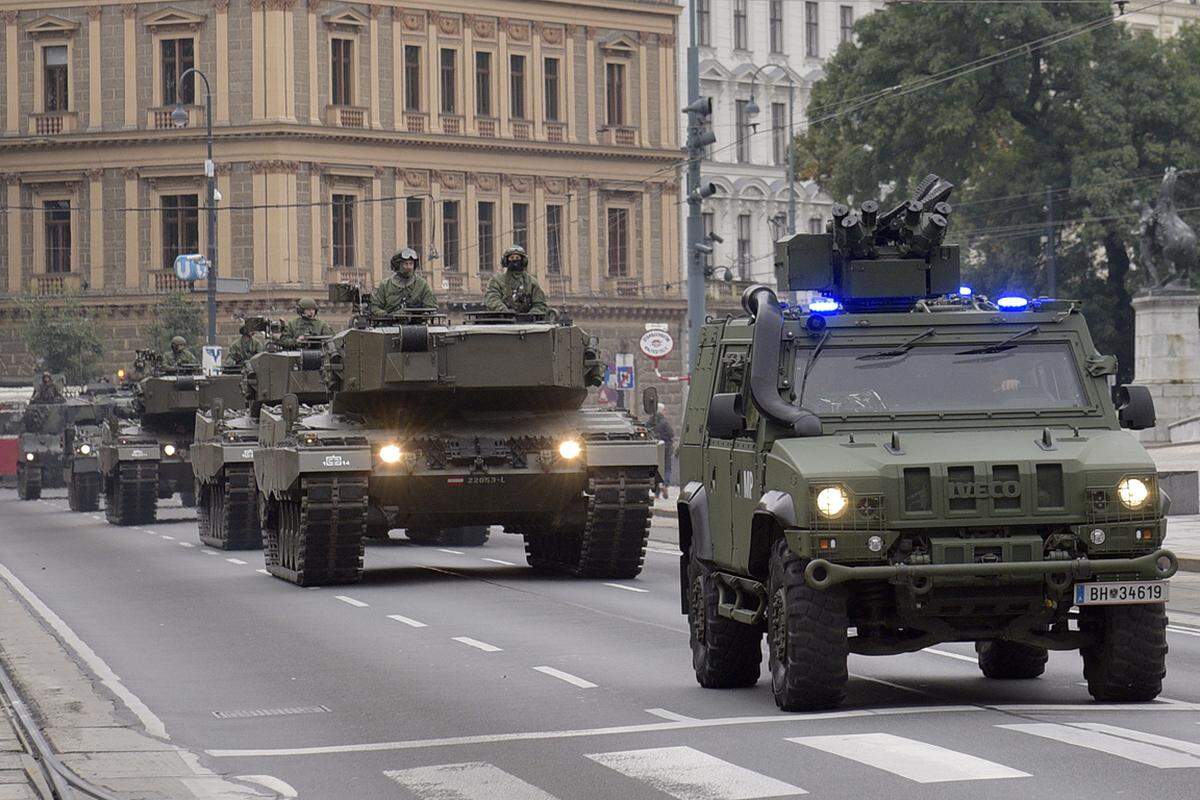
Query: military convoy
{"type": "Point", "coordinates": [902, 463]}
{"type": "Point", "coordinates": [435, 426]}
{"type": "Point", "coordinates": [82, 439]}
{"type": "Point", "coordinates": [40, 448]}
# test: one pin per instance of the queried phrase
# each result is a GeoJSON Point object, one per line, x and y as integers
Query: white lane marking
{"type": "Point", "coordinates": [484, 646]}
{"type": "Point", "coordinates": [500, 561]}
{"type": "Point", "coordinates": [185, 544]}
{"type": "Point", "coordinates": [276, 785]}
{"type": "Point", "coordinates": [574, 680]}
{"type": "Point", "coordinates": [409, 621]}
{"type": "Point", "coordinates": [148, 532]}
{"type": "Point", "coordinates": [663, 713]}
{"type": "Point", "coordinates": [154, 726]}
{"type": "Point", "coordinates": [452, 552]}
{"type": "Point", "coordinates": [168, 538]}
{"type": "Point", "coordinates": [1184, 631]}
{"type": "Point", "coordinates": [350, 601]}
{"type": "Point", "coordinates": [470, 781]}
{"type": "Point", "coordinates": [211, 553]}
{"type": "Point", "coordinates": [237, 561]}
{"type": "Point", "coordinates": [689, 774]}
{"type": "Point", "coordinates": [262, 572]}
{"type": "Point", "coordinates": [1143, 748]}
{"type": "Point", "coordinates": [918, 761]}
{"type": "Point", "coordinates": [948, 654]}
{"type": "Point", "coordinates": [627, 588]}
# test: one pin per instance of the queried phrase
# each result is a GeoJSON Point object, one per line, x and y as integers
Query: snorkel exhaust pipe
{"type": "Point", "coordinates": [761, 303]}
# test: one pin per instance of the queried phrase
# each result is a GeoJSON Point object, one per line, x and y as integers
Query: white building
{"type": "Point", "coordinates": [772, 42]}
{"type": "Point", "coordinates": [1162, 20]}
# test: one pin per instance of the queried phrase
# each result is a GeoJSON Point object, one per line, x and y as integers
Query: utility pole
{"type": "Point", "coordinates": [1051, 255]}
{"type": "Point", "coordinates": [699, 111]}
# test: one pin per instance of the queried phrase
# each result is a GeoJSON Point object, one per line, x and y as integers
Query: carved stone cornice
{"type": "Point", "coordinates": [521, 183]}
{"type": "Point", "coordinates": [551, 34]}
{"type": "Point", "coordinates": [274, 165]}
{"type": "Point", "coordinates": [554, 185]}
{"type": "Point", "coordinates": [416, 178]}
{"type": "Point", "coordinates": [450, 180]}
{"type": "Point", "coordinates": [482, 27]}
{"type": "Point", "coordinates": [486, 181]}
{"type": "Point", "coordinates": [94, 12]}
{"type": "Point", "coordinates": [413, 21]}
{"type": "Point", "coordinates": [517, 31]}
{"type": "Point", "coordinates": [223, 168]}
{"type": "Point", "coordinates": [447, 24]}
{"type": "Point", "coordinates": [280, 5]}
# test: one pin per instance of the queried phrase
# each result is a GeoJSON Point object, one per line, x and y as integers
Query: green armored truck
{"type": "Point", "coordinates": [902, 463]}
{"type": "Point", "coordinates": [41, 456]}
{"type": "Point", "coordinates": [82, 439]}
{"type": "Point", "coordinates": [435, 426]}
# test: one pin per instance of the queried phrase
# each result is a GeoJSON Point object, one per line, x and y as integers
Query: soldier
{"type": "Point", "coordinates": [515, 289]}
{"type": "Point", "coordinates": [179, 356]}
{"type": "Point", "coordinates": [404, 289]}
{"type": "Point", "coordinates": [242, 350]}
{"type": "Point", "coordinates": [46, 391]}
{"type": "Point", "coordinates": [661, 426]}
{"type": "Point", "coordinates": [304, 325]}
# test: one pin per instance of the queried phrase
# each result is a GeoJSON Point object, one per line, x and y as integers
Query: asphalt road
{"type": "Point", "coordinates": [459, 674]}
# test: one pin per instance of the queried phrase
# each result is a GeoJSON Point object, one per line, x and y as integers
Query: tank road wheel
{"type": "Point", "coordinates": [725, 654]}
{"type": "Point", "coordinates": [1127, 659]}
{"type": "Point", "coordinates": [29, 483]}
{"type": "Point", "coordinates": [613, 541]}
{"type": "Point", "coordinates": [320, 533]}
{"type": "Point", "coordinates": [1010, 660]}
{"type": "Point", "coordinates": [131, 493]}
{"type": "Point", "coordinates": [83, 492]}
{"type": "Point", "coordinates": [806, 637]}
{"type": "Point", "coordinates": [233, 510]}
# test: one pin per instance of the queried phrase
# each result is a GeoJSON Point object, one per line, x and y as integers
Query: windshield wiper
{"type": "Point", "coordinates": [999, 347]}
{"type": "Point", "coordinates": [808, 365]}
{"type": "Point", "coordinates": [899, 351]}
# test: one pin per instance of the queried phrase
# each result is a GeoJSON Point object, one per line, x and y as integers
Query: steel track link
{"type": "Point", "coordinates": [83, 492]}
{"type": "Point", "coordinates": [29, 483]}
{"type": "Point", "coordinates": [232, 511]}
{"type": "Point", "coordinates": [131, 496]}
{"type": "Point", "coordinates": [319, 532]}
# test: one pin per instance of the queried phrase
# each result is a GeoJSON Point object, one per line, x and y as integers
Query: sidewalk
{"type": "Point", "coordinates": [20, 777]}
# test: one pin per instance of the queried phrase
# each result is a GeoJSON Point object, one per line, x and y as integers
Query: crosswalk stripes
{"type": "Point", "coordinates": [918, 761]}
{"type": "Point", "coordinates": [1144, 748]}
{"type": "Point", "coordinates": [689, 774]}
{"type": "Point", "coordinates": [470, 781]}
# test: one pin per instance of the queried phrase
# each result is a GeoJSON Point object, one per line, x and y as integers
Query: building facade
{"type": "Point", "coordinates": [343, 131]}
{"type": "Point", "coordinates": [1163, 19]}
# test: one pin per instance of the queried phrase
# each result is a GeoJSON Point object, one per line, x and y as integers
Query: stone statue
{"type": "Point", "coordinates": [1167, 247]}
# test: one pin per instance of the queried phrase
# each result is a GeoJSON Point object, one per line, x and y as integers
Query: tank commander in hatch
{"type": "Point", "coordinates": [242, 350]}
{"type": "Point", "coordinates": [46, 391]}
{"type": "Point", "coordinates": [404, 288]}
{"type": "Point", "coordinates": [515, 289]}
{"type": "Point", "coordinates": [304, 325]}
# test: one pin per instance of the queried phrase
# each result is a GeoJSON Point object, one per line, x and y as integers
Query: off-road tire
{"type": "Point", "coordinates": [1004, 660]}
{"type": "Point", "coordinates": [1127, 659]}
{"type": "Point", "coordinates": [29, 483]}
{"type": "Point", "coordinates": [230, 504]}
{"type": "Point", "coordinates": [318, 540]}
{"type": "Point", "coordinates": [131, 493]}
{"type": "Point", "coordinates": [725, 654]}
{"type": "Point", "coordinates": [806, 637]}
{"type": "Point", "coordinates": [83, 491]}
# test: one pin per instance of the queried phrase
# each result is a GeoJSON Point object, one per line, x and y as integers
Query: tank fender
{"type": "Point", "coordinates": [774, 513]}
{"type": "Point", "coordinates": [692, 512]}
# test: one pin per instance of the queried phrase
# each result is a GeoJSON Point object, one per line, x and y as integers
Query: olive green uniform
{"type": "Point", "coordinates": [301, 327]}
{"type": "Point", "coordinates": [240, 352]}
{"type": "Point", "coordinates": [46, 393]}
{"type": "Point", "coordinates": [183, 358]}
{"type": "Point", "coordinates": [515, 291]}
{"type": "Point", "coordinates": [397, 294]}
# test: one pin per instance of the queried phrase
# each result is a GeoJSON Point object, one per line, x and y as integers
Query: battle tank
{"type": "Point", "coordinates": [82, 439]}
{"type": "Point", "coordinates": [435, 426]}
{"type": "Point", "coordinates": [226, 434]}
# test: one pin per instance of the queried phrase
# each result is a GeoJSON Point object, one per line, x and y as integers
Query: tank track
{"type": "Point", "coordinates": [314, 536]}
{"type": "Point", "coordinates": [229, 511]}
{"type": "Point", "coordinates": [612, 540]}
{"type": "Point", "coordinates": [83, 492]}
{"type": "Point", "coordinates": [29, 483]}
{"type": "Point", "coordinates": [131, 496]}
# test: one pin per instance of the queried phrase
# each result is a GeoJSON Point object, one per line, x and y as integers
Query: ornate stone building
{"type": "Point", "coordinates": [343, 131]}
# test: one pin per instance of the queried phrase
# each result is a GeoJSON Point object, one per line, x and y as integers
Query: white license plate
{"type": "Point", "coordinates": [1112, 593]}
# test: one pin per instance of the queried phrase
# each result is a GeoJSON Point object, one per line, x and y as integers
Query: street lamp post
{"type": "Point", "coordinates": [179, 117]}
{"type": "Point", "coordinates": [752, 111]}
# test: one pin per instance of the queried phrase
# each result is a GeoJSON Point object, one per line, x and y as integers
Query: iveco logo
{"type": "Point", "coordinates": [978, 489]}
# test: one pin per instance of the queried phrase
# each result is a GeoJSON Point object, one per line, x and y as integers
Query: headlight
{"type": "Point", "coordinates": [29, 456]}
{"type": "Point", "coordinates": [168, 449]}
{"type": "Point", "coordinates": [832, 501]}
{"type": "Point", "coordinates": [85, 449]}
{"type": "Point", "coordinates": [389, 453]}
{"type": "Point", "coordinates": [570, 449]}
{"type": "Point", "coordinates": [1133, 492]}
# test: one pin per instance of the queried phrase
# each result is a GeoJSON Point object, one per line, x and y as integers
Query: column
{"type": "Point", "coordinates": [314, 196]}
{"type": "Point", "coordinates": [502, 82]}
{"type": "Point", "coordinates": [402, 212]}
{"type": "Point", "coordinates": [221, 80]}
{"type": "Point", "coordinates": [257, 69]}
{"type": "Point", "coordinates": [260, 228]}
{"type": "Point", "coordinates": [288, 57]}
{"type": "Point", "coordinates": [374, 45]}
{"type": "Point", "coordinates": [594, 260]}
{"type": "Point", "coordinates": [95, 228]}
{"type": "Point", "coordinates": [130, 46]}
{"type": "Point", "coordinates": [12, 113]}
{"type": "Point", "coordinates": [132, 224]}
{"type": "Point", "coordinates": [377, 224]}
{"type": "Point", "coordinates": [293, 224]}
{"type": "Point", "coordinates": [570, 243]}
{"type": "Point", "coordinates": [13, 198]}
{"type": "Point", "coordinates": [468, 67]}
{"type": "Point", "coordinates": [670, 271]}
{"type": "Point", "coordinates": [276, 238]}
{"type": "Point", "coordinates": [224, 222]}
{"type": "Point", "coordinates": [570, 78]}
{"type": "Point", "coordinates": [537, 230]}
{"type": "Point", "coordinates": [95, 103]}
{"type": "Point", "coordinates": [537, 90]}
{"type": "Point", "coordinates": [647, 277]}
{"type": "Point", "coordinates": [589, 43]}
{"type": "Point", "coordinates": [275, 88]}
{"type": "Point", "coordinates": [314, 112]}
{"type": "Point", "coordinates": [668, 120]}
{"type": "Point", "coordinates": [398, 84]}
{"type": "Point", "coordinates": [644, 92]}
{"type": "Point", "coordinates": [505, 222]}
{"type": "Point", "coordinates": [471, 237]}
{"type": "Point", "coordinates": [433, 231]}
{"type": "Point", "coordinates": [432, 75]}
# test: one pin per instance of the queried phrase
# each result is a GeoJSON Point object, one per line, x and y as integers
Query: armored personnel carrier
{"type": "Point", "coordinates": [436, 426]}
{"type": "Point", "coordinates": [82, 440]}
{"type": "Point", "coordinates": [40, 457]}
{"type": "Point", "coordinates": [226, 435]}
{"type": "Point", "coordinates": [904, 463]}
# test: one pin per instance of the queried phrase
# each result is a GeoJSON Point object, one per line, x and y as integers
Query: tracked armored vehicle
{"type": "Point", "coordinates": [82, 440]}
{"type": "Point", "coordinates": [904, 463]}
{"type": "Point", "coordinates": [41, 451]}
{"type": "Point", "coordinates": [226, 434]}
{"type": "Point", "coordinates": [436, 426]}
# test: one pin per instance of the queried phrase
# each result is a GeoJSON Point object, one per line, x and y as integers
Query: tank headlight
{"type": "Point", "coordinates": [168, 449]}
{"type": "Point", "coordinates": [29, 456]}
{"type": "Point", "coordinates": [389, 453]}
{"type": "Point", "coordinates": [569, 449]}
{"type": "Point", "coordinates": [1133, 492]}
{"type": "Point", "coordinates": [85, 449]}
{"type": "Point", "coordinates": [121, 374]}
{"type": "Point", "coordinates": [832, 501]}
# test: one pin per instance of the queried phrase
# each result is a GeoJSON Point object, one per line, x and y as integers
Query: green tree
{"type": "Point", "coordinates": [177, 316]}
{"type": "Point", "coordinates": [1094, 119]}
{"type": "Point", "coordinates": [62, 335]}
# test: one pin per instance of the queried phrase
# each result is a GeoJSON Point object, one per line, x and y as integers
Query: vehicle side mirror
{"type": "Point", "coordinates": [1135, 407]}
{"type": "Point", "coordinates": [725, 417]}
{"type": "Point", "coordinates": [650, 400]}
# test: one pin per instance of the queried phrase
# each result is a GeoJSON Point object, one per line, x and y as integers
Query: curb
{"type": "Point", "coordinates": [1188, 563]}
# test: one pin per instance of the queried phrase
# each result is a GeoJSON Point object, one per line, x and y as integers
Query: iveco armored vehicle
{"type": "Point", "coordinates": [40, 453]}
{"type": "Point", "coordinates": [226, 435]}
{"type": "Point", "coordinates": [435, 426]}
{"type": "Point", "coordinates": [82, 439]}
{"type": "Point", "coordinates": [902, 464]}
